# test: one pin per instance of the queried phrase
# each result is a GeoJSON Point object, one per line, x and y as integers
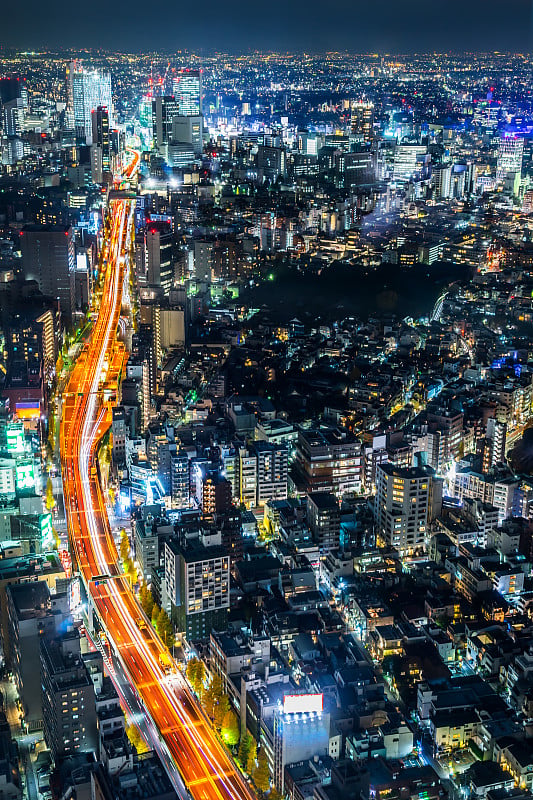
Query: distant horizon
{"type": "Point", "coordinates": [197, 52]}
{"type": "Point", "coordinates": [483, 26]}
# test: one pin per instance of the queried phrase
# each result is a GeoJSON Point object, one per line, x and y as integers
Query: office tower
{"type": "Point", "coordinates": [197, 583]}
{"type": "Point", "coordinates": [407, 499]}
{"type": "Point", "coordinates": [13, 117]}
{"type": "Point", "coordinates": [329, 461]}
{"type": "Point", "coordinates": [301, 733]}
{"type": "Point", "coordinates": [101, 146]}
{"type": "Point", "coordinates": [10, 89]}
{"type": "Point", "coordinates": [362, 120]}
{"type": "Point", "coordinates": [179, 479]}
{"type": "Point", "coordinates": [442, 182]}
{"type": "Point", "coordinates": [188, 130]}
{"type": "Point", "coordinates": [159, 246]}
{"type": "Point", "coordinates": [410, 160]}
{"type": "Point", "coordinates": [324, 520]}
{"type": "Point", "coordinates": [510, 153]}
{"type": "Point", "coordinates": [33, 615]}
{"type": "Point", "coordinates": [119, 431]}
{"type": "Point", "coordinates": [355, 169]}
{"type": "Point", "coordinates": [48, 258]}
{"type": "Point", "coordinates": [164, 109]}
{"type": "Point", "coordinates": [272, 161]}
{"type": "Point", "coordinates": [187, 89]}
{"type": "Point", "coordinates": [69, 711]}
{"type": "Point", "coordinates": [203, 259]}
{"type": "Point", "coordinates": [88, 89]}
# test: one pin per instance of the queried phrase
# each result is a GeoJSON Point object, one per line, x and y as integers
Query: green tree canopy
{"type": "Point", "coordinates": [221, 709]}
{"type": "Point", "coordinates": [230, 729]}
{"type": "Point", "coordinates": [261, 773]}
{"type": "Point", "coordinates": [244, 749]}
{"type": "Point", "coordinates": [251, 757]}
{"type": "Point", "coordinates": [212, 695]}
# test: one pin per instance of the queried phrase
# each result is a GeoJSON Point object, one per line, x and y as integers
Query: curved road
{"type": "Point", "coordinates": [203, 764]}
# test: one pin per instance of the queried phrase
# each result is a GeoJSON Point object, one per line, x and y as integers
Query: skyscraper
{"type": "Point", "coordinates": [48, 258]}
{"type": "Point", "coordinates": [188, 92]}
{"type": "Point", "coordinates": [510, 152]}
{"type": "Point", "coordinates": [362, 121]}
{"type": "Point", "coordinates": [164, 109]}
{"type": "Point", "coordinates": [88, 90]}
{"type": "Point", "coordinates": [407, 499]}
{"type": "Point", "coordinates": [101, 147]}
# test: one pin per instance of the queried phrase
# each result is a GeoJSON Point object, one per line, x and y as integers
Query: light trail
{"type": "Point", "coordinates": [202, 762]}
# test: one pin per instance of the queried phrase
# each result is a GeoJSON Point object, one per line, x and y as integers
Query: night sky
{"type": "Point", "coordinates": [242, 25]}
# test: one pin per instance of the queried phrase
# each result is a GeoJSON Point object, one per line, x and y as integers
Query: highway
{"type": "Point", "coordinates": [202, 762]}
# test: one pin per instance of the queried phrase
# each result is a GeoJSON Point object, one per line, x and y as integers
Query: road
{"type": "Point", "coordinates": [204, 765]}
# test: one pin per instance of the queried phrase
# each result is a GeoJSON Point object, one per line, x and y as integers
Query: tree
{"type": "Point", "coordinates": [124, 545]}
{"type": "Point", "coordinates": [274, 794]}
{"type": "Point", "coordinates": [50, 499]}
{"type": "Point", "coordinates": [165, 628]}
{"type": "Point", "coordinates": [199, 678]}
{"type": "Point", "coordinates": [146, 600]}
{"type": "Point", "coordinates": [155, 614]}
{"type": "Point", "coordinates": [244, 749]}
{"type": "Point", "coordinates": [192, 668]}
{"type": "Point", "coordinates": [261, 774]}
{"type": "Point", "coordinates": [131, 572]}
{"type": "Point", "coordinates": [212, 695]}
{"type": "Point", "coordinates": [251, 757]}
{"type": "Point", "coordinates": [221, 709]}
{"type": "Point", "coordinates": [134, 736]}
{"type": "Point", "coordinates": [230, 729]}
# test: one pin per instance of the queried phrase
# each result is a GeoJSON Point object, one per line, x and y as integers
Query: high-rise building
{"type": "Point", "coordinates": [164, 109]}
{"type": "Point", "coordinates": [324, 520]}
{"type": "Point", "coordinates": [159, 246]}
{"type": "Point", "coordinates": [328, 461]}
{"type": "Point", "coordinates": [13, 113]}
{"type": "Point", "coordinates": [119, 430]}
{"type": "Point", "coordinates": [33, 615]}
{"type": "Point", "coordinates": [69, 711]}
{"type": "Point", "coordinates": [188, 130]}
{"type": "Point", "coordinates": [179, 479]}
{"type": "Point", "coordinates": [48, 258]}
{"type": "Point", "coordinates": [88, 89]}
{"type": "Point", "coordinates": [442, 182]}
{"type": "Point", "coordinates": [187, 89]}
{"type": "Point", "coordinates": [362, 120]}
{"type": "Point", "coordinates": [197, 581]}
{"type": "Point", "coordinates": [407, 499]}
{"type": "Point", "coordinates": [101, 146]}
{"type": "Point", "coordinates": [263, 473]}
{"type": "Point", "coordinates": [301, 732]}
{"type": "Point", "coordinates": [510, 153]}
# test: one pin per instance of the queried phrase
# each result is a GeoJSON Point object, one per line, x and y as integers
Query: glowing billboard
{"type": "Point", "coordinates": [302, 703]}
{"type": "Point", "coordinates": [30, 409]}
{"type": "Point", "coordinates": [25, 476]}
{"type": "Point", "coordinates": [15, 437]}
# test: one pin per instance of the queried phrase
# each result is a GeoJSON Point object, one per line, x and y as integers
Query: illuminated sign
{"type": "Point", "coordinates": [75, 594]}
{"type": "Point", "coordinates": [47, 533]}
{"type": "Point", "coordinates": [66, 562]}
{"type": "Point", "coordinates": [15, 437]}
{"type": "Point", "coordinates": [302, 703]}
{"type": "Point", "coordinates": [28, 410]}
{"type": "Point", "coordinates": [25, 476]}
